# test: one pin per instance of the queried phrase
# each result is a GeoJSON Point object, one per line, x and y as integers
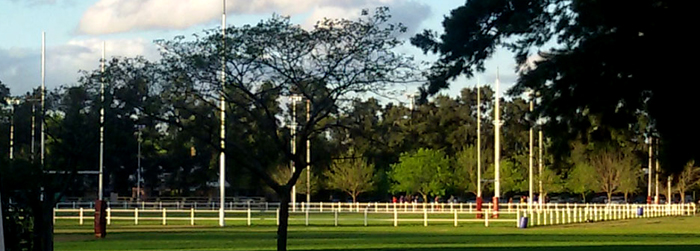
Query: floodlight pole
{"type": "Point", "coordinates": [102, 128]}
{"type": "Point", "coordinates": [12, 102]}
{"type": "Point", "coordinates": [33, 129]}
{"type": "Point", "coordinates": [43, 93]}
{"type": "Point", "coordinates": [668, 186]}
{"type": "Point", "coordinates": [531, 156]}
{"type": "Point", "coordinates": [222, 155]}
{"type": "Point", "coordinates": [540, 200]}
{"type": "Point", "coordinates": [138, 165]}
{"type": "Point", "coordinates": [308, 153]}
{"type": "Point", "coordinates": [656, 196]}
{"type": "Point", "coordinates": [479, 198]}
{"type": "Point", "coordinates": [497, 151]}
{"type": "Point", "coordinates": [649, 170]}
{"type": "Point", "coordinates": [294, 99]}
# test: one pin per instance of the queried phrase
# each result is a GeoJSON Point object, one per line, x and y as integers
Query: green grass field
{"type": "Point", "coordinates": [671, 233]}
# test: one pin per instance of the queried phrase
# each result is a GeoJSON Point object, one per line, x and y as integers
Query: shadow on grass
{"type": "Point", "coordinates": [554, 248]}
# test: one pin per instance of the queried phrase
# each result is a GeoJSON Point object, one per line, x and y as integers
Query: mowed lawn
{"type": "Point", "coordinates": [669, 233]}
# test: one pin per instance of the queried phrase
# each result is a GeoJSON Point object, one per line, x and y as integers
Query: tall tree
{"type": "Point", "coordinates": [274, 59]}
{"type": "Point", "coordinates": [611, 164]}
{"type": "Point", "coordinates": [351, 174]}
{"type": "Point", "coordinates": [425, 172]}
{"type": "Point", "coordinates": [465, 175]}
{"type": "Point", "coordinates": [582, 47]}
{"type": "Point", "coordinates": [688, 178]}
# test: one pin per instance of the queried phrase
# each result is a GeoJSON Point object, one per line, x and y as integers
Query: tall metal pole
{"type": "Point", "coordinates": [12, 130]}
{"type": "Point", "coordinates": [479, 198]}
{"type": "Point", "coordinates": [497, 146]}
{"type": "Point", "coordinates": [43, 93]}
{"type": "Point", "coordinates": [650, 171]}
{"type": "Point", "coordinates": [138, 165]}
{"type": "Point", "coordinates": [656, 197]}
{"type": "Point", "coordinates": [531, 158]}
{"type": "Point", "coordinates": [669, 196]}
{"type": "Point", "coordinates": [102, 127]}
{"type": "Point", "coordinates": [294, 148]}
{"type": "Point", "coordinates": [222, 155]}
{"type": "Point", "coordinates": [540, 200]}
{"type": "Point", "coordinates": [33, 129]}
{"type": "Point", "coordinates": [308, 154]}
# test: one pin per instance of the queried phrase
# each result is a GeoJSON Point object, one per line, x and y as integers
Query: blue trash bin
{"type": "Point", "coordinates": [640, 211]}
{"type": "Point", "coordinates": [522, 222]}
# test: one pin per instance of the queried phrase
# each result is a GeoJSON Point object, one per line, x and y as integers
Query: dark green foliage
{"type": "Point", "coordinates": [597, 79]}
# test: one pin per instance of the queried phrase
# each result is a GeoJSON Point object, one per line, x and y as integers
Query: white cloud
{"type": "Point", "coordinates": [20, 68]}
{"type": "Point", "coordinates": [115, 16]}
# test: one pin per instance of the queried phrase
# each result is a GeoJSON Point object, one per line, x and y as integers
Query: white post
{"type": "Point", "coordinates": [102, 127]}
{"type": "Point", "coordinates": [531, 159]}
{"type": "Point", "coordinates": [455, 212]}
{"type": "Point", "coordinates": [222, 130]}
{"type": "Point", "coordinates": [478, 139]}
{"type": "Point", "coordinates": [277, 216]}
{"type": "Point", "coordinates": [336, 218]}
{"type": "Point", "coordinates": [307, 217]}
{"type": "Point", "coordinates": [164, 216]}
{"type": "Point", "coordinates": [497, 148]}
{"type": "Point", "coordinates": [308, 155]}
{"type": "Point", "coordinates": [43, 96]}
{"type": "Point", "coordinates": [80, 216]}
{"type": "Point", "coordinates": [192, 216]}
{"type": "Point", "coordinates": [109, 216]}
{"type": "Point", "coordinates": [425, 218]}
{"type": "Point", "coordinates": [656, 196]}
{"type": "Point", "coordinates": [396, 218]}
{"type": "Point", "coordinates": [366, 216]}
{"type": "Point", "coordinates": [136, 216]}
{"type": "Point", "coordinates": [486, 218]}
{"type": "Point", "coordinates": [650, 172]}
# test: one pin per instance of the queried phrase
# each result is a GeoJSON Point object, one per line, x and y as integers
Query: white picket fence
{"type": "Point", "coordinates": [389, 213]}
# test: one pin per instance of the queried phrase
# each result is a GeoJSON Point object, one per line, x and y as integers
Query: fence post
{"type": "Point", "coordinates": [320, 206]}
{"type": "Point", "coordinates": [336, 218]}
{"type": "Point", "coordinates": [396, 217]}
{"type": "Point", "coordinates": [425, 218]}
{"type": "Point", "coordinates": [277, 216]}
{"type": "Point", "coordinates": [192, 216]}
{"type": "Point", "coordinates": [250, 219]}
{"type": "Point", "coordinates": [455, 212]}
{"type": "Point", "coordinates": [517, 218]}
{"type": "Point", "coordinates": [486, 218]}
{"type": "Point", "coordinates": [136, 216]}
{"type": "Point", "coordinates": [109, 216]}
{"type": "Point", "coordinates": [164, 216]}
{"type": "Point", "coordinates": [81, 216]}
{"type": "Point", "coordinates": [366, 209]}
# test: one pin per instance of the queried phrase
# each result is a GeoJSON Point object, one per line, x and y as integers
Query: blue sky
{"type": "Point", "coordinates": [75, 30]}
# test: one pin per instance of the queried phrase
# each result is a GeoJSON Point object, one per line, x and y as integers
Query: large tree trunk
{"type": "Point", "coordinates": [609, 196]}
{"type": "Point", "coordinates": [354, 197]}
{"type": "Point", "coordinates": [682, 196]}
{"type": "Point", "coordinates": [626, 197]}
{"type": "Point", "coordinates": [284, 222]}
{"type": "Point", "coordinates": [43, 223]}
